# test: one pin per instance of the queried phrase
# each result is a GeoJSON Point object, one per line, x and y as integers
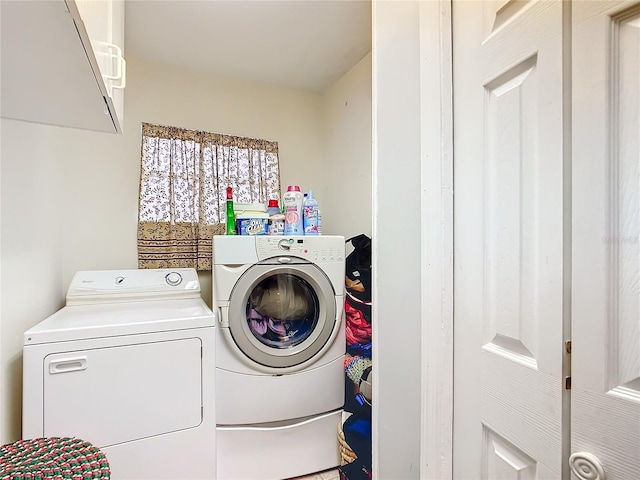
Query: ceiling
{"type": "Point", "coordinates": [300, 44]}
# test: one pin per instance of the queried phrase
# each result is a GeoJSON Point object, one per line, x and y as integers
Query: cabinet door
{"type": "Point", "coordinates": [117, 38]}
{"type": "Point", "coordinates": [48, 68]}
{"type": "Point", "coordinates": [104, 24]}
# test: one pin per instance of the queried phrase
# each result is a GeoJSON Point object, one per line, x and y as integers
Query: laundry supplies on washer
{"type": "Point", "coordinates": [251, 218]}
{"type": "Point", "coordinates": [311, 215]}
{"type": "Point", "coordinates": [252, 226]}
{"type": "Point", "coordinates": [293, 201]}
{"type": "Point", "coordinates": [276, 218]}
{"type": "Point", "coordinates": [276, 224]}
{"type": "Point", "coordinates": [231, 218]}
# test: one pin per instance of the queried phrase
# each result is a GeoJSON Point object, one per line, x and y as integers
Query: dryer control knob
{"type": "Point", "coordinates": [173, 278]}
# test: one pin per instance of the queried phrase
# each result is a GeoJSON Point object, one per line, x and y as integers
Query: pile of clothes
{"type": "Point", "coordinates": [357, 363]}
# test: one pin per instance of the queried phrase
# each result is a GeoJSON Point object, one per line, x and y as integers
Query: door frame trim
{"type": "Point", "coordinates": [412, 216]}
{"type": "Point", "coordinates": [436, 452]}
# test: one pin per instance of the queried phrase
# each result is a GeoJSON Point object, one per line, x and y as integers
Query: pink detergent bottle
{"type": "Point", "coordinates": [292, 201]}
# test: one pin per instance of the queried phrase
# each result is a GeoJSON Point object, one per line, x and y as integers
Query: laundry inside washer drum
{"type": "Point", "coordinates": [281, 311]}
{"type": "Point", "coordinates": [285, 297]}
{"type": "Point", "coordinates": [279, 333]}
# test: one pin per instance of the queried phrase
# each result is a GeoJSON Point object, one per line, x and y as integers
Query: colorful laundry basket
{"type": "Point", "coordinates": [53, 458]}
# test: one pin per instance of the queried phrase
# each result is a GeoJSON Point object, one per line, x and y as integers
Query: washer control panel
{"type": "Point", "coordinates": [314, 249]}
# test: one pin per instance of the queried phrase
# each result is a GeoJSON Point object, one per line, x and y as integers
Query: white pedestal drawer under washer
{"type": "Point", "coordinates": [128, 365]}
{"type": "Point", "coordinates": [279, 354]}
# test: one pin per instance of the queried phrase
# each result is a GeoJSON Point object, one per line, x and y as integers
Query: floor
{"type": "Point", "coordinates": [326, 475]}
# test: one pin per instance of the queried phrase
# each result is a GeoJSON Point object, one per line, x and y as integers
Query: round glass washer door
{"type": "Point", "coordinates": [282, 315]}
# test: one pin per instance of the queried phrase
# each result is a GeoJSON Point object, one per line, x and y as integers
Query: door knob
{"type": "Point", "coordinates": [586, 466]}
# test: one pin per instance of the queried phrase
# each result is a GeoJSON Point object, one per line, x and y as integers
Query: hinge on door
{"type": "Point", "coordinates": [567, 380]}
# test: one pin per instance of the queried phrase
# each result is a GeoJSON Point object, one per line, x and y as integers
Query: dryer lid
{"type": "Point", "coordinates": [82, 322]}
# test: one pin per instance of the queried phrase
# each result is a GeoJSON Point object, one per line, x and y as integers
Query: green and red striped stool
{"type": "Point", "coordinates": [52, 458]}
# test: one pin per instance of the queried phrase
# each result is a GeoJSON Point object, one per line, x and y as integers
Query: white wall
{"type": "Point", "coordinates": [69, 197]}
{"type": "Point", "coordinates": [346, 193]}
{"type": "Point", "coordinates": [199, 101]}
{"type": "Point", "coordinates": [31, 248]}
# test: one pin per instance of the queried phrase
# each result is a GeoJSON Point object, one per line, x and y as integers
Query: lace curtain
{"type": "Point", "coordinates": [183, 179]}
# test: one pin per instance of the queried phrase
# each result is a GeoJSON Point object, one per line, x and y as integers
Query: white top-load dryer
{"type": "Point", "coordinates": [279, 354]}
{"type": "Point", "coordinates": [128, 365]}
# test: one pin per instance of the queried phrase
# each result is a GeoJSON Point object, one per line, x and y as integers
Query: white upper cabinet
{"type": "Point", "coordinates": [104, 22]}
{"type": "Point", "coordinates": [62, 63]}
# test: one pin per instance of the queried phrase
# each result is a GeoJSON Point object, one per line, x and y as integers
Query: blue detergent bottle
{"type": "Point", "coordinates": [311, 215]}
{"type": "Point", "coordinates": [273, 208]}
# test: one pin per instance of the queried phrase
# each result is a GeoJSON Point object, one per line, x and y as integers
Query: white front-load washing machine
{"type": "Point", "coordinates": [279, 354]}
{"type": "Point", "coordinates": [128, 365]}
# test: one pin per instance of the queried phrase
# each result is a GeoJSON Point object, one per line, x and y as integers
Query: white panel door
{"type": "Point", "coordinates": [508, 240]}
{"type": "Point", "coordinates": [605, 398]}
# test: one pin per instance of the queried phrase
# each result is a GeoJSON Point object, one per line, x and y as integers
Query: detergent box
{"type": "Point", "coordinates": [252, 226]}
{"type": "Point", "coordinates": [251, 218]}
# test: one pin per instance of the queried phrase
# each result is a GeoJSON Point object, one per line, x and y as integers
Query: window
{"type": "Point", "coordinates": [183, 179]}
